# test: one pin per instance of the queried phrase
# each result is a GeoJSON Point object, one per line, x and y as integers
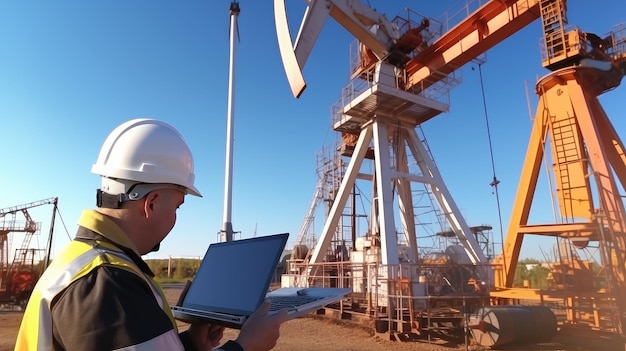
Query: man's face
{"type": "Point", "coordinates": [163, 204]}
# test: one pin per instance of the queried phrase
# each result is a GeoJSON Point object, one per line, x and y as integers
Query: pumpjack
{"type": "Point", "coordinates": [19, 276]}
{"type": "Point", "coordinates": [401, 66]}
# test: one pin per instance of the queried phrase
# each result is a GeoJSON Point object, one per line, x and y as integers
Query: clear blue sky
{"type": "Point", "coordinates": [73, 70]}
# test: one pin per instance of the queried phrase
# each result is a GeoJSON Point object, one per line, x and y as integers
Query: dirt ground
{"type": "Point", "coordinates": [296, 335]}
{"type": "Point", "coordinates": [313, 333]}
{"type": "Point", "coordinates": [302, 334]}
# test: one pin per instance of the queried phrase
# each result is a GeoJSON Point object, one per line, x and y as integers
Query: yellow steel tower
{"type": "Point", "coordinates": [588, 163]}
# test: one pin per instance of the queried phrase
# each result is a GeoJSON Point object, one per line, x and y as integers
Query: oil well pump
{"type": "Point", "coordinates": [588, 167]}
{"type": "Point", "coordinates": [19, 275]}
{"type": "Point", "coordinates": [401, 75]}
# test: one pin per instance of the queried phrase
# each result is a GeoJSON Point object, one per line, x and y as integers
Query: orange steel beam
{"type": "Point", "coordinates": [571, 92]}
{"type": "Point", "coordinates": [483, 29]}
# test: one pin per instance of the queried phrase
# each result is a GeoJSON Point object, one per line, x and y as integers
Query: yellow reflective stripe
{"type": "Point", "coordinates": [36, 328]}
{"type": "Point", "coordinates": [107, 258]}
{"type": "Point", "coordinates": [77, 260]}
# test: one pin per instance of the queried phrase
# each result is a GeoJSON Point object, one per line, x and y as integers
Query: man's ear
{"type": "Point", "coordinates": [149, 201]}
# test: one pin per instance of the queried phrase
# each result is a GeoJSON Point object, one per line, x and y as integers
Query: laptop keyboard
{"type": "Point", "coordinates": [280, 302]}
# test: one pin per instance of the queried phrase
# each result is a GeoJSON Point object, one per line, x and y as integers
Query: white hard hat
{"type": "Point", "coordinates": [145, 151]}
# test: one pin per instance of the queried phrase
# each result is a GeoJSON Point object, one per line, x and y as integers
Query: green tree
{"type": "Point", "coordinates": [174, 270]}
{"type": "Point", "coordinates": [530, 270]}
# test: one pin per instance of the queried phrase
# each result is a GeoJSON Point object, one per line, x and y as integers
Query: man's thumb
{"type": "Point", "coordinates": [264, 308]}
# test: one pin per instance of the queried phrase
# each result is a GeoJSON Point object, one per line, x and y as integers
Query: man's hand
{"type": "Point", "coordinates": [260, 332]}
{"type": "Point", "coordinates": [206, 336]}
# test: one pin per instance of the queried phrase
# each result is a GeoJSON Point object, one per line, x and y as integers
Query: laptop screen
{"type": "Point", "coordinates": [234, 276]}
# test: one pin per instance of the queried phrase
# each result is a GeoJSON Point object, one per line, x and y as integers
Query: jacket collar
{"type": "Point", "coordinates": [95, 226]}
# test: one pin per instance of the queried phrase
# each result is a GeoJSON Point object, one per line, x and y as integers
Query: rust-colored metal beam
{"type": "Point", "coordinates": [486, 27]}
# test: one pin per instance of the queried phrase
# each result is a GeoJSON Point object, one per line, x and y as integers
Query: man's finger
{"type": "Point", "coordinates": [215, 327]}
{"type": "Point", "coordinates": [215, 332]}
{"type": "Point", "coordinates": [265, 306]}
{"type": "Point", "coordinates": [282, 316]}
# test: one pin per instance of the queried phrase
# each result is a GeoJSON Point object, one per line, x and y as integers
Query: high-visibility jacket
{"type": "Point", "coordinates": [98, 294]}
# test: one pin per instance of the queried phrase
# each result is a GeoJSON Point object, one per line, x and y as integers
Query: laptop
{"type": "Point", "coordinates": [234, 279]}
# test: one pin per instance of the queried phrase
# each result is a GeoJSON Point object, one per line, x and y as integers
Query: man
{"type": "Point", "coordinates": [99, 294]}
